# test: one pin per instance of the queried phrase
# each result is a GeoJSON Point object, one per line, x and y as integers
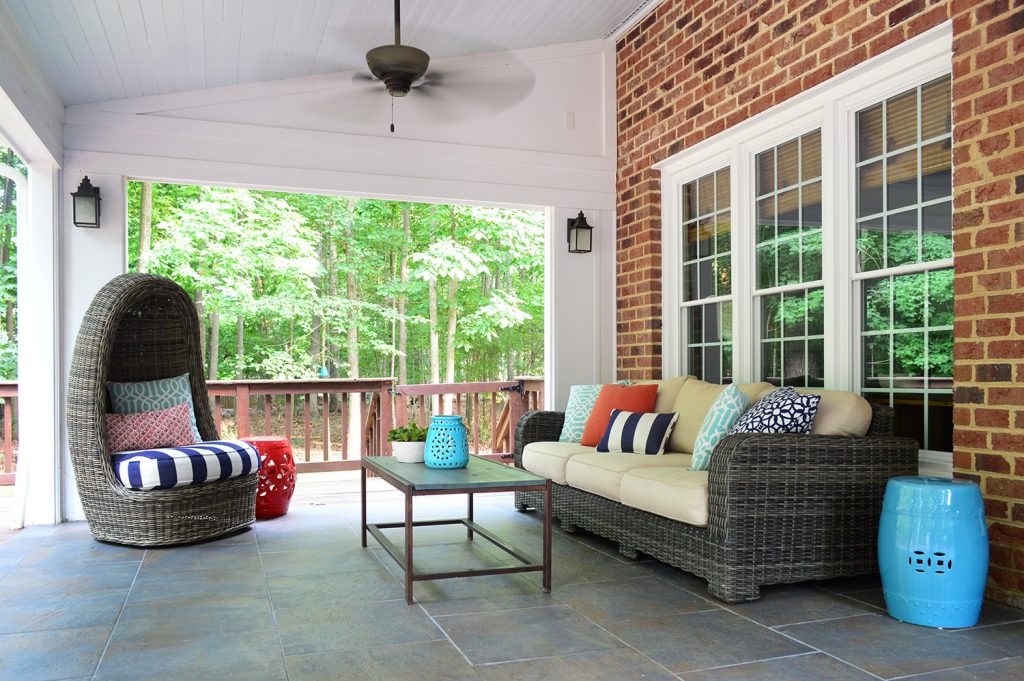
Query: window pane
{"type": "Point", "coordinates": [706, 195]}
{"type": "Point", "coordinates": [705, 237]}
{"type": "Point", "coordinates": [876, 361]}
{"type": "Point", "coordinates": [788, 164]}
{"type": "Point", "coordinates": [871, 244]}
{"type": "Point", "coordinates": [709, 346]}
{"type": "Point", "coordinates": [771, 316]}
{"type": "Point", "coordinates": [940, 298]}
{"type": "Point", "coordinates": [901, 121]}
{"type": "Point", "coordinates": [810, 161]}
{"type": "Point", "coordinates": [765, 266]}
{"type": "Point", "coordinates": [789, 212]}
{"type": "Point", "coordinates": [908, 360]}
{"type": "Point", "coordinates": [799, 359]}
{"type": "Point", "coordinates": [810, 206]}
{"type": "Point", "coordinates": [901, 238]}
{"type": "Point", "coordinates": [876, 304]}
{"type": "Point", "coordinates": [696, 314]}
{"type": "Point", "coordinates": [940, 422]}
{"type": "Point", "coordinates": [692, 237]}
{"type": "Point", "coordinates": [765, 172]}
{"type": "Point", "coordinates": [935, 108]}
{"type": "Point", "coordinates": [771, 362]}
{"type": "Point", "coordinates": [869, 189]}
{"type": "Point", "coordinates": [723, 275]}
{"type": "Point", "coordinates": [901, 180]}
{"type": "Point", "coordinates": [816, 363]}
{"type": "Point", "coordinates": [722, 197]}
{"type": "Point", "coordinates": [707, 258]}
{"type": "Point", "coordinates": [937, 231]}
{"type": "Point", "coordinates": [766, 219]}
{"type": "Point", "coordinates": [723, 234]}
{"type": "Point", "coordinates": [940, 359]}
{"type": "Point", "coordinates": [794, 363]}
{"type": "Point", "coordinates": [869, 133]}
{"type": "Point", "coordinates": [811, 256]}
{"type": "Point", "coordinates": [936, 171]}
{"type": "Point", "coordinates": [907, 295]}
{"type": "Point", "coordinates": [689, 201]}
{"type": "Point", "coordinates": [816, 312]}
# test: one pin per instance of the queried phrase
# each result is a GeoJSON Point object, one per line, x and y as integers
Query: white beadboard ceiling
{"type": "Point", "coordinates": [100, 50]}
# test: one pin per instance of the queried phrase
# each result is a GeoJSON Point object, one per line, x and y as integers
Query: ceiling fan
{"type": "Point", "coordinates": [398, 65]}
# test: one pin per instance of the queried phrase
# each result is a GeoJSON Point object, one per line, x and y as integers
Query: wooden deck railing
{"type": "Point", "coordinates": [316, 415]}
{"type": "Point", "coordinates": [9, 395]}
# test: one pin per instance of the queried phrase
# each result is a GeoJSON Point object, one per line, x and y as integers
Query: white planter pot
{"type": "Point", "coordinates": [408, 452]}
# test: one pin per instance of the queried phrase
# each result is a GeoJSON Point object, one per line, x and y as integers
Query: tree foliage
{"type": "Point", "coordinates": [278, 265]}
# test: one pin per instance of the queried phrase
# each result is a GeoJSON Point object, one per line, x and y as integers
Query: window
{"type": "Point", "coordinates": [904, 219]}
{"type": "Point", "coordinates": [707, 276]}
{"type": "Point", "coordinates": [811, 245]}
{"type": "Point", "coordinates": [788, 247]}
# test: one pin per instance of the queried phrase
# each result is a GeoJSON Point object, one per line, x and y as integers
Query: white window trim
{"type": "Point", "coordinates": [828, 106]}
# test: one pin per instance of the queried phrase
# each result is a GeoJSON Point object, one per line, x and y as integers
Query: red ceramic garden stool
{"type": "Point", "coordinates": [277, 475]}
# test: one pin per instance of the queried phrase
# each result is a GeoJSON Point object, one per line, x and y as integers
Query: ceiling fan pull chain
{"type": "Point", "coordinates": [393, 109]}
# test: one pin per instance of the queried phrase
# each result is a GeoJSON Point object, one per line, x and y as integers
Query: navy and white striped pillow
{"type": "Point", "coordinates": [637, 432]}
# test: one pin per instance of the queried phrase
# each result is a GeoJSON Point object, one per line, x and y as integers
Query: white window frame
{"type": "Point", "coordinates": [831, 106]}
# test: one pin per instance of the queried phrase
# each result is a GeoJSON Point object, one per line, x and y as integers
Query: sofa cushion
{"type": "Point", "coordinates": [613, 396]}
{"type": "Point", "coordinates": [668, 390]}
{"type": "Point", "coordinates": [549, 458]}
{"type": "Point", "coordinates": [202, 462]}
{"type": "Point", "coordinates": [783, 410]}
{"type": "Point", "coordinates": [601, 473]}
{"type": "Point", "coordinates": [840, 413]}
{"type": "Point", "coordinates": [676, 493]}
{"type": "Point", "coordinates": [637, 433]}
{"type": "Point", "coordinates": [693, 403]}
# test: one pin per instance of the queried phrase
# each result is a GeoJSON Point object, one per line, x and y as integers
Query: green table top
{"type": "Point", "coordinates": [478, 474]}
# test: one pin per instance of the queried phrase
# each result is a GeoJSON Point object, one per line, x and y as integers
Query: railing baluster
{"type": "Point", "coordinates": [345, 423]}
{"type": "Point", "coordinates": [217, 416]}
{"type": "Point", "coordinates": [266, 415]}
{"type": "Point", "coordinates": [494, 417]}
{"type": "Point", "coordinates": [242, 410]}
{"type": "Point", "coordinates": [476, 423]}
{"type": "Point", "coordinates": [288, 416]}
{"type": "Point", "coordinates": [306, 423]}
{"type": "Point", "coordinates": [423, 411]}
{"type": "Point", "coordinates": [8, 435]}
{"type": "Point", "coordinates": [326, 411]}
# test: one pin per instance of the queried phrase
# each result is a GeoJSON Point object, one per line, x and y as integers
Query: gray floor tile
{"type": "Point", "coordinates": [1001, 670]}
{"type": "Point", "coordinates": [703, 639]}
{"type": "Point", "coordinates": [227, 657]}
{"type": "Point", "coordinates": [38, 581]}
{"type": "Point", "coordinates": [47, 655]}
{"type": "Point", "coordinates": [63, 611]}
{"type": "Point", "coordinates": [812, 667]}
{"type": "Point", "coordinates": [883, 646]}
{"type": "Point", "coordinates": [583, 564]}
{"type": "Point", "coordinates": [479, 594]}
{"type": "Point", "coordinates": [629, 599]}
{"type": "Point", "coordinates": [434, 661]}
{"type": "Point", "coordinates": [846, 584]}
{"type": "Point", "coordinates": [70, 556]}
{"type": "Point", "coordinates": [363, 586]}
{"type": "Point", "coordinates": [227, 557]}
{"type": "Point", "coordinates": [161, 585]}
{"type": "Point", "coordinates": [315, 562]}
{"type": "Point", "coordinates": [674, 575]}
{"type": "Point", "coordinates": [1007, 637]}
{"type": "Point", "coordinates": [519, 634]}
{"type": "Point", "coordinates": [353, 625]}
{"type": "Point", "coordinates": [181, 620]}
{"type": "Point", "coordinates": [781, 605]}
{"type": "Point", "coordinates": [599, 665]}
{"type": "Point", "coordinates": [991, 612]}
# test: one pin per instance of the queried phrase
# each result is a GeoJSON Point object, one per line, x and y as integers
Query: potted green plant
{"type": "Point", "coordinates": [407, 443]}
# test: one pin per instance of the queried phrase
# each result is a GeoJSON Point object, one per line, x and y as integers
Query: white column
{"type": "Point", "coordinates": [40, 397]}
{"type": "Point", "coordinates": [579, 294]}
{"type": "Point", "coordinates": [91, 258]}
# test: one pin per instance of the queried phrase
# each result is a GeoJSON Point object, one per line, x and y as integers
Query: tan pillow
{"type": "Point", "coordinates": [694, 402]}
{"type": "Point", "coordinates": [668, 389]}
{"type": "Point", "coordinates": [839, 413]}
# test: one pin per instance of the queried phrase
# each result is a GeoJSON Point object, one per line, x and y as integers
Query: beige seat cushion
{"type": "Point", "coordinates": [839, 413]}
{"type": "Point", "coordinates": [549, 458]}
{"type": "Point", "coordinates": [693, 403]}
{"type": "Point", "coordinates": [600, 473]}
{"type": "Point", "coordinates": [676, 493]}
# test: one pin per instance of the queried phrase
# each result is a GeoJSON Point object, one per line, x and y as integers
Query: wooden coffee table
{"type": "Point", "coordinates": [479, 477]}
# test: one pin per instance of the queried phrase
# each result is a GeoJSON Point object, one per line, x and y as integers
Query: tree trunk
{"type": "Point", "coordinates": [214, 344]}
{"type": "Point", "coordinates": [201, 312]}
{"type": "Point", "coordinates": [145, 225]}
{"type": "Point", "coordinates": [403, 365]}
{"type": "Point", "coordinates": [435, 374]}
{"type": "Point", "coordinates": [240, 347]}
{"type": "Point", "coordinates": [355, 421]}
{"type": "Point", "coordinates": [449, 365]}
{"type": "Point", "coordinates": [5, 253]}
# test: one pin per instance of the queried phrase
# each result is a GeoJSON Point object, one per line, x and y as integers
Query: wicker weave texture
{"type": "Point", "coordinates": [141, 327]}
{"type": "Point", "coordinates": [782, 508]}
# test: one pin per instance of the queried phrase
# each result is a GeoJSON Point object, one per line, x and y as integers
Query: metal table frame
{"type": "Point", "coordinates": [406, 561]}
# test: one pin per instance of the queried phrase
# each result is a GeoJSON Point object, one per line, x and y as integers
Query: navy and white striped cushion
{"type": "Point", "coordinates": [149, 469]}
{"type": "Point", "coordinates": [637, 432]}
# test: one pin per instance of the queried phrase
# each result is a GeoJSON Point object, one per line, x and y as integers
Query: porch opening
{"type": "Point", "coordinates": [12, 174]}
{"type": "Point", "coordinates": [334, 318]}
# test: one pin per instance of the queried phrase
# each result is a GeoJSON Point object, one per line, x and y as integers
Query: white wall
{"type": "Point", "coordinates": [324, 134]}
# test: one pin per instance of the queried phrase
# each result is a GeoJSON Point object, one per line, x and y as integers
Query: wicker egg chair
{"type": "Point", "coordinates": [141, 327]}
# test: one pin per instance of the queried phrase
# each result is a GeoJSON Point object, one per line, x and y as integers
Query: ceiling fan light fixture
{"type": "Point", "coordinates": [399, 66]}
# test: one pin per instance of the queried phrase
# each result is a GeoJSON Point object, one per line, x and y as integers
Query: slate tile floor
{"type": "Point", "coordinates": [297, 598]}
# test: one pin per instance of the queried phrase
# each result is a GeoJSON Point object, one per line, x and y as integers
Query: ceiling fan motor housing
{"type": "Point", "coordinates": [399, 66]}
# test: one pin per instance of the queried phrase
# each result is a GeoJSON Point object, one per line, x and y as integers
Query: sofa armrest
{"type": "Point", "coordinates": [537, 426]}
{"type": "Point", "coordinates": [793, 490]}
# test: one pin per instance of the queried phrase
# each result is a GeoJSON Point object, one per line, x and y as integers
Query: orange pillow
{"type": "Point", "coordinates": [638, 398]}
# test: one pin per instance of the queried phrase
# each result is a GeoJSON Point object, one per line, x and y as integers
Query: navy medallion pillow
{"type": "Point", "coordinates": [781, 411]}
{"type": "Point", "coordinates": [636, 432]}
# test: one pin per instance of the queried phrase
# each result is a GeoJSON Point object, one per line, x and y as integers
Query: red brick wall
{"type": "Point", "coordinates": [695, 68]}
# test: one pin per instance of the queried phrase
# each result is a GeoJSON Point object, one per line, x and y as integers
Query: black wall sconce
{"type": "Point", "coordinates": [580, 235]}
{"type": "Point", "coordinates": [86, 205]}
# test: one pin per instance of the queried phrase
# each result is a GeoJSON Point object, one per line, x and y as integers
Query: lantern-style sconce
{"type": "Point", "coordinates": [86, 204]}
{"type": "Point", "coordinates": [580, 235]}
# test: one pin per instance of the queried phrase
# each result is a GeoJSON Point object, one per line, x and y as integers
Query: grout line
{"type": "Point", "coordinates": [270, 600]}
{"type": "Point", "coordinates": [951, 669]}
{"type": "Point", "coordinates": [120, 611]}
{"type": "Point", "coordinates": [740, 664]}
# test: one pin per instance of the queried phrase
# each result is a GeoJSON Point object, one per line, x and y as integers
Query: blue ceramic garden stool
{"type": "Point", "coordinates": [933, 551]}
{"type": "Point", "coordinates": [447, 443]}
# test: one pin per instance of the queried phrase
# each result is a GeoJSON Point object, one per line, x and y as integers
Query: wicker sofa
{"type": "Point", "coordinates": [776, 508]}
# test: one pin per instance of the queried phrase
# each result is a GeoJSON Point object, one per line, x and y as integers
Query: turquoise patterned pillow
{"type": "Point", "coordinates": [727, 408]}
{"type": "Point", "coordinates": [132, 398]}
{"type": "Point", "coordinates": [581, 403]}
